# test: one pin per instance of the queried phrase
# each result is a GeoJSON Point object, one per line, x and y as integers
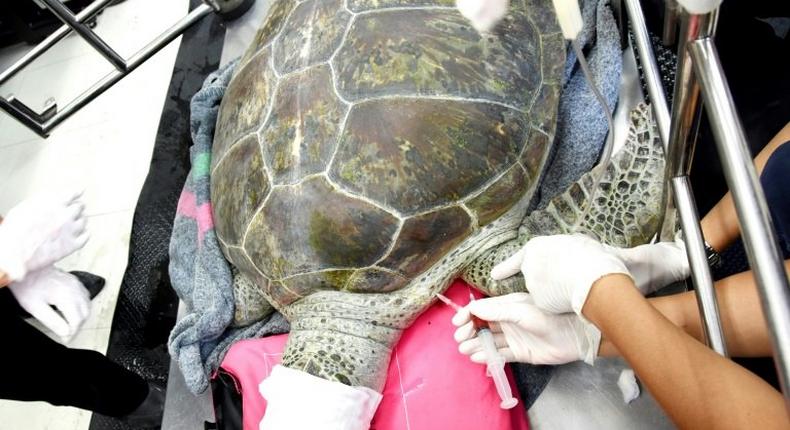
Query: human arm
{"type": "Point", "coordinates": [695, 386]}
{"type": "Point", "coordinates": [743, 323]}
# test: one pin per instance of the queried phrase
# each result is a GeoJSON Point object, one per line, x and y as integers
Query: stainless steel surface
{"type": "Point", "coordinates": [680, 151]}
{"type": "Point", "coordinates": [64, 14]}
{"type": "Point", "coordinates": [110, 79]}
{"type": "Point", "coordinates": [84, 15]}
{"type": "Point", "coordinates": [580, 396]}
{"type": "Point", "coordinates": [706, 293]}
{"type": "Point", "coordinates": [21, 116]}
{"type": "Point", "coordinates": [758, 233]}
{"type": "Point", "coordinates": [670, 33]}
{"type": "Point", "coordinates": [184, 410]}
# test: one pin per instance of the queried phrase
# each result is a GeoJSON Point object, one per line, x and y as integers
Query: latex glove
{"type": "Point", "coordinates": [45, 288]}
{"type": "Point", "coordinates": [296, 400]}
{"type": "Point", "coordinates": [560, 270]}
{"type": "Point", "coordinates": [525, 333]}
{"type": "Point", "coordinates": [483, 14]}
{"type": "Point", "coordinates": [655, 266]}
{"type": "Point", "coordinates": [40, 231]}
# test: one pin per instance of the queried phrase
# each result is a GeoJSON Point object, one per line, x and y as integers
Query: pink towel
{"type": "Point", "coordinates": [430, 385]}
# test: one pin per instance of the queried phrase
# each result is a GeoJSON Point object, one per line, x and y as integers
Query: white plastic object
{"type": "Point", "coordinates": [628, 386]}
{"type": "Point", "coordinates": [297, 400]}
{"type": "Point", "coordinates": [496, 369]}
{"type": "Point", "coordinates": [699, 7]}
{"type": "Point", "coordinates": [483, 14]}
{"type": "Point", "coordinates": [569, 16]}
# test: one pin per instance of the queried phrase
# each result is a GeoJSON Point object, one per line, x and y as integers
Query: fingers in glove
{"type": "Point", "coordinates": [468, 331]}
{"type": "Point", "coordinates": [70, 197]}
{"type": "Point", "coordinates": [49, 318]}
{"type": "Point", "coordinates": [509, 267]}
{"type": "Point", "coordinates": [76, 210]}
{"type": "Point", "coordinates": [508, 308]}
{"type": "Point", "coordinates": [470, 346]}
{"type": "Point", "coordinates": [506, 353]}
{"type": "Point", "coordinates": [74, 311]}
{"type": "Point", "coordinates": [81, 241]}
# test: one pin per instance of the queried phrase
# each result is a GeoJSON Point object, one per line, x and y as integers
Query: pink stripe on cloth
{"type": "Point", "coordinates": [187, 207]}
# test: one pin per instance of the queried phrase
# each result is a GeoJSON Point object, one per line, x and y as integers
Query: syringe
{"type": "Point", "coordinates": [495, 363]}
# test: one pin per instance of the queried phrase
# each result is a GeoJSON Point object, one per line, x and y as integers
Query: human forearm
{"type": "Point", "coordinates": [697, 388]}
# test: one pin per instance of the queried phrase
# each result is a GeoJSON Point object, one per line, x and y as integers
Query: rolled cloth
{"type": "Point", "coordinates": [203, 279]}
{"type": "Point", "coordinates": [199, 272]}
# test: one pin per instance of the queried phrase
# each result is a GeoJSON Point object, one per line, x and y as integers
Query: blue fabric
{"type": "Point", "coordinates": [776, 186]}
{"type": "Point", "coordinates": [581, 123]}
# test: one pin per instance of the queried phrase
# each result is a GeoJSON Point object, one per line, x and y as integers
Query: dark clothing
{"type": "Point", "coordinates": [36, 368]}
{"type": "Point", "coordinates": [775, 180]}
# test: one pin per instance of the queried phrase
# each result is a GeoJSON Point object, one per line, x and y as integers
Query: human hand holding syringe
{"type": "Point", "coordinates": [495, 362]}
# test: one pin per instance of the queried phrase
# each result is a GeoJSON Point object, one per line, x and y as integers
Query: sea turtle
{"type": "Point", "coordinates": [367, 152]}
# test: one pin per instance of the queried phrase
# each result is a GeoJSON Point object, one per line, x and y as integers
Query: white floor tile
{"type": "Point", "coordinates": [41, 416]}
{"type": "Point", "coordinates": [104, 149]}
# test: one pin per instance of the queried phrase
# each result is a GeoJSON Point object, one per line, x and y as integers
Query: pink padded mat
{"type": "Point", "coordinates": [429, 384]}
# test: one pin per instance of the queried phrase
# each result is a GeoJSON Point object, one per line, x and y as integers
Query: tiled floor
{"type": "Point", "coordinates": [104, 149]}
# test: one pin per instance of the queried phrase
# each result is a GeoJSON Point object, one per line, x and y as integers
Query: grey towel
{"type": "Point", "coordinates": [581, 123]}
{"type": "Point", "coordinates": [198, 270]}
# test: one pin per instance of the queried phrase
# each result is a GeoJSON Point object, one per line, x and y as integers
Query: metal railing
{"type": "Point", "coordinates": [699, 72]}
{"type": "Point", "coordinates": [42, 123]}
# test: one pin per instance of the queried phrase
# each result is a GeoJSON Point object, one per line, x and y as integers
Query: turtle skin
{"type": "Point", "coordinates": [366, 153]}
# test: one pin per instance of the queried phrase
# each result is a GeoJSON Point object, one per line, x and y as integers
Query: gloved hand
{"type": "Point", "coordinates": [296, 400]}
{"type": "Point", "coordinates": [40, 231]}
{"type": "Point", "coordinates": [483, 14]}
{"type": "Point", "coordinates": [654, 266]}
{"type": "Point", "coordinates": [525, 333]}
{"type": "Point", "coordinates": [560, 270]}
{"type": "Point", "coordinates": [48, 287]}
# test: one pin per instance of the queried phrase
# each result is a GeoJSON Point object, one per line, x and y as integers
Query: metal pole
{"type": "Point", "coordinates": [65, 15]}
{"type": "Point", "coordinates": [680, 151]}
{"type": "Point", "coordinates": [686, 97]}
{"type": "Point", "coordinates": [692, 235]}
{"type": "Point", "coordinates": [756, 226]}
{"type": "Point", "coordinates": [670, 33]}
{"type": "Point", "coordinates": [134, 61]}
{"type": "Point", "coordinates": [650, 67]}
{"type": "Point", "coordinates": [89, 12]}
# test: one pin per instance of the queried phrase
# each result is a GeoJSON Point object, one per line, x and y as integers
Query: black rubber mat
{"type": "Point", "coordinates": [147, 305]}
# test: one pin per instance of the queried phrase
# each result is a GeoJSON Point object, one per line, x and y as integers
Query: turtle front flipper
{"type": "Point", "coordinates": [346, 337]}
{"type": "Point", "coordinates": [625, 212]}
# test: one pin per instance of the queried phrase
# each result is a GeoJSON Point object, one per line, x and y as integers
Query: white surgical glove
{"type": "Point", "coordinates": [45, 288]}
{"type": "Point", "coordinates": [483, 14]}
{"type": "Point", "coordinates": [654, 266]}
{"type": "Point", "coordinates": [525, 333]}
{"type": "Point", "coordinates": [296, 400]}
{"type": "Point", "coordinates": [40, 231]}
{"type": "Point", "coordinates": [560, 270]}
